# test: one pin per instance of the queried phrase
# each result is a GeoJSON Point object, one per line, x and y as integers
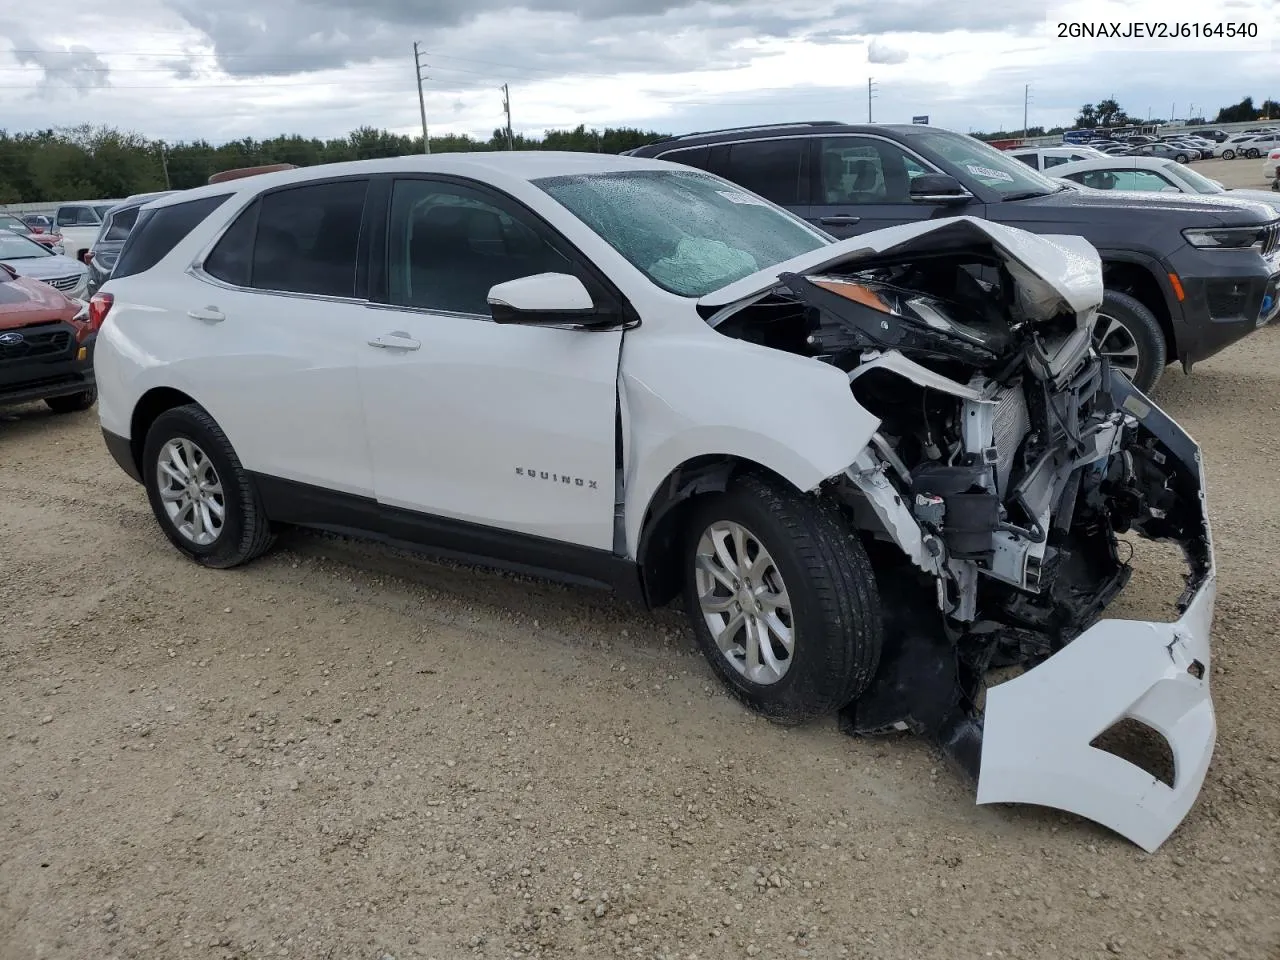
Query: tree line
{"type": "Point", "coordinates": [88, 162]}
{"type": "Point", "coordinates": [101, 162]}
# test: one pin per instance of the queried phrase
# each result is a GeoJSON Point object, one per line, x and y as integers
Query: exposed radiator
{"type": "Point", "coordinates": [1010, 425]}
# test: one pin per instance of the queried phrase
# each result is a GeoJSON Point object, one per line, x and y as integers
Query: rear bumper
{"type": "Point", "coordinates": [121, 450]}
{"type": "Point", "coordinates": [1037, 730]}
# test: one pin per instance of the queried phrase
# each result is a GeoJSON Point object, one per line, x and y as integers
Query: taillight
{"type": "Point", "coordinates": [99, 307]}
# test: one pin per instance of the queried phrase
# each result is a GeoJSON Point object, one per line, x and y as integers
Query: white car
{"type": "Point", "coordinates": [1249, 145]}
{"type": "Point", "coordinates": [36, 261]}
{"type": "Point", "coordinates": [1271, 166]}
{"type": "Point", "coordinates": [870, 474]}
{"type": "Point", "coordinates": [1154, 175]}
{"type": "Point", "coordinates": [79, 224]}
{"type": "Point", "coordinates": [1045, 158]}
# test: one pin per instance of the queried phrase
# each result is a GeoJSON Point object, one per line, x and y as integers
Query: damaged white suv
{"type": "Point", "coordinates": [876, 469]}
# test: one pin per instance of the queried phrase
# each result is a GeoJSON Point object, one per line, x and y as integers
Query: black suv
{"type": "Point", "coordinates": [1185, 275]}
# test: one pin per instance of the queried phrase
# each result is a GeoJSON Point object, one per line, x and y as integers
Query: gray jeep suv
{"type": "Point", "coordinates": [1185, 276]}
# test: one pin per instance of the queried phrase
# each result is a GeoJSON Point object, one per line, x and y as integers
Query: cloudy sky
{"type": "Point", "coordinates": [225, 69]}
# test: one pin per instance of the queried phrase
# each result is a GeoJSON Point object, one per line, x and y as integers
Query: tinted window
{"type": "Point", "coordinates": [448, 245]}
{"type": "Point", "coordinates": [1051, 161]}
{"type": "Point", "coordinates": [121, 224]}
{"type": "Point", "coordinates": [307, 239]}
{"type": "Point", "coordinates": [76, 217]}
{"type": "Point", "coordinates": [771, 168]}
{"type": "Point", "coordinates": [699, 157]}
{"type": "Point", "coordinates": [857, 170]}
{"type": "Point", "coordinates": [1122, 180]}
{"type": "Point", "coordinates": [158, 231]}
{"type": "Point", "coordinates": [231, 259]}
{"type": "Point", "coordinates": [1028, 158]}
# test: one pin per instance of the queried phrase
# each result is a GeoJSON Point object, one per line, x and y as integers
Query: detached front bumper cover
{"type": "Point", "coordinates": [1033, 742]}
{"type": "Point", "coordinates": [1037, 729]}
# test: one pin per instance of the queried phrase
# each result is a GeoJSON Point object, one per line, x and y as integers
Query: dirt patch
{"type": "Point", "coordinates": [343, 752]}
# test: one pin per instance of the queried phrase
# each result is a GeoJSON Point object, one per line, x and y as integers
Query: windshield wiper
{"type": "Point", "coordinates": [1027, 195]}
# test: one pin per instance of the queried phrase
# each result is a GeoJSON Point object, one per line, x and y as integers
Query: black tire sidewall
{"type": "Point", "coordinates": [787, 700]}
{"type": "Point", "coordinates": [1146, 332]}
{"type": "Point", "coordinates": [178, 423]}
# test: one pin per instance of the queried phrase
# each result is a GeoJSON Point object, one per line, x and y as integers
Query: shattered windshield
{"type": "Point", "coordinates": [688, 231]}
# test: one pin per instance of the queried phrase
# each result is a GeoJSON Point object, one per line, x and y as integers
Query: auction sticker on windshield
{"type": "Point", "coordinates": [733, 196]}
{"type": "Point", "coordinates": [980, 171]}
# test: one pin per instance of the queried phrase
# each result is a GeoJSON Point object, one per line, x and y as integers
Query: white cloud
{"type": "Point", "coordinates": [881, 52]}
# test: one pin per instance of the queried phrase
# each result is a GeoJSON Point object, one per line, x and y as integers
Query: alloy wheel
{"type": "Point", "coordinates": [190, 491]}
{"type": "Point", "coordinates": [1116, 342]}
{"type": "Point", "coordinates": [744, 602]}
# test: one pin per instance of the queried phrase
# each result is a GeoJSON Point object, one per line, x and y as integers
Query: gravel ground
{"type": "Point", "coordinates": [1234, 173]}
{"type": "Point", "coordinates": [342, 752]}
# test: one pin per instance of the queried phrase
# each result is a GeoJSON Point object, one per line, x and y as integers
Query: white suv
{"type": "Point", "coordinates": [874, 468]}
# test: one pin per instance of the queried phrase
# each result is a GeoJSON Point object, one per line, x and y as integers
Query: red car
{"type": "Point", "coordinates": [46, 345]}
{"type": "Point", "coordinates": [33, 229]}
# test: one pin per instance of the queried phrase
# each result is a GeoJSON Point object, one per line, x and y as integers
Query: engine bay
{"type": "Point", "coordinates": [1004, 468]}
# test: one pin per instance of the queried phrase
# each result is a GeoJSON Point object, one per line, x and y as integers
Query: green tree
{"type": "Point", "coordinates": [1241, 112]}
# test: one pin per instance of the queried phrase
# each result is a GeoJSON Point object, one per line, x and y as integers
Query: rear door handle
{"type": "Point", "coordinates": [840, 221]}
{"type": "Point", "coordinates": [397, 340]}
{"type": "Point", "coordinates": [211, 314]}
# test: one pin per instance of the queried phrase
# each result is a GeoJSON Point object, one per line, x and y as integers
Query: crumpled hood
{"type": "Point", "coordinates": [1053, 273]}
{"type": "Point", "coordinates": [46, 268]}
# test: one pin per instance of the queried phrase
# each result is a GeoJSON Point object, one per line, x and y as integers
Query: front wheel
{"type": "Point", "coordinates": [72, 403]}
{"type": "Point", "coordinates": [1181, 158]}
{"type": "Point", "coordinates": [1130, 336]}
{"type": "Point", "coordinates": [1228, 154]}
{"type": "Point", "coordinates": [203, 498]}
{"type": "Point", "coordinates": [782, 598]}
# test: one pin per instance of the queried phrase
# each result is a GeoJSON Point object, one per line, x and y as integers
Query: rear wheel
{"type": "Point", "coordinates": [782, 598]}
{"type": "Point", "coordinates": [1181, 157]}
{"type": "Point", "coordinates": [1228, 154]}
{"type": "Point", "coordinates": [72, 402]}
{"type": "Point", "coordinates": [1129, 335]}
{"type": "Point", "coordinates": [1252, 154]}
{"type": "Point", "coordinates": [203, 498]}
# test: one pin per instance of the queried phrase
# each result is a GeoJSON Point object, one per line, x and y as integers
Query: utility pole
{"type": "Point", "coordinates": [164, 164]}
{"type": "Point", "coordinates": [422, 103]}
{"type": "Point", "coordinates": [870, 86]}
{"type": "Point", "coordinates": [1026, 99]}
{"type": "Point", "coordinates": [506, 108]}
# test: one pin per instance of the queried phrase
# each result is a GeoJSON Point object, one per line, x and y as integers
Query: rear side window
{"type": "Point", "coordinates": [299, 240]}
{"type": "Point", "coordinates": [775, 169]}
{"type": "Point", "coordinates": [121, 224]}
{"type": "Point", "coordinates": [158, 231]}
{"type": "Point", "coordinates": [1028, 158]}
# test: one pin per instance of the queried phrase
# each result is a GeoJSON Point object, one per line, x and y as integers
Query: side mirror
{"type": "Point", "coordinates": [544, 299]}
{"type": "Point", "coordinates": [938, 188]}
{"type": "Point", "coordinates": [8, 272]}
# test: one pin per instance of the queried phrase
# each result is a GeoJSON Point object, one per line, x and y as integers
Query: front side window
{"type": "Point", "coordinates": [1123, 180]}
{"type": "Point", "coordinates": [448, 245]}
{"type": "Point", "coordinates": [858, 170]}
{"type": "Point", "coordinates": [689, 232]}
{"type": "Point", "coordinates": [305, 239]}
{"type": "Point", "coordinates": [772, 168]}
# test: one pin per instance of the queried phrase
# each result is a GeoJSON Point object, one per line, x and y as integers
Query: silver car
{"type": "Point", "coordinates": [31, 259]}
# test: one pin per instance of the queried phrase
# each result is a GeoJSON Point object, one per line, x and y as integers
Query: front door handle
{"type": "Point", "coordinates": [841, 221]}
{"type": "Point", "coordinates": [396, 340]}
{"type": "Point", "coordinates": [210, 314]}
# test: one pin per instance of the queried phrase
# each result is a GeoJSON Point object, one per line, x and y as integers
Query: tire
{"type": "Point", "coordinates": [1137, 348]}
{"type": "Point", "coordinates": [1180, 157]}
{"type": "Point", "coordinates": [244, 532]}
{"type": "Point", "coordinates": [72, 402]}
{"type": "Point", "coordinates": [1228, 154]}
{"type": "Point", "coordinates": [833, 611]}
{"type": "Point", "coordinates": [1252, 154]}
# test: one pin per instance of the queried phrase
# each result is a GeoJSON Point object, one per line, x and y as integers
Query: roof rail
{"type": "Point", "coordinates": [762, 126]}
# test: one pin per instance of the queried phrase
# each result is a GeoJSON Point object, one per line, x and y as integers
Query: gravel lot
{"type": "Point", "coordinates": [343, 752]}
